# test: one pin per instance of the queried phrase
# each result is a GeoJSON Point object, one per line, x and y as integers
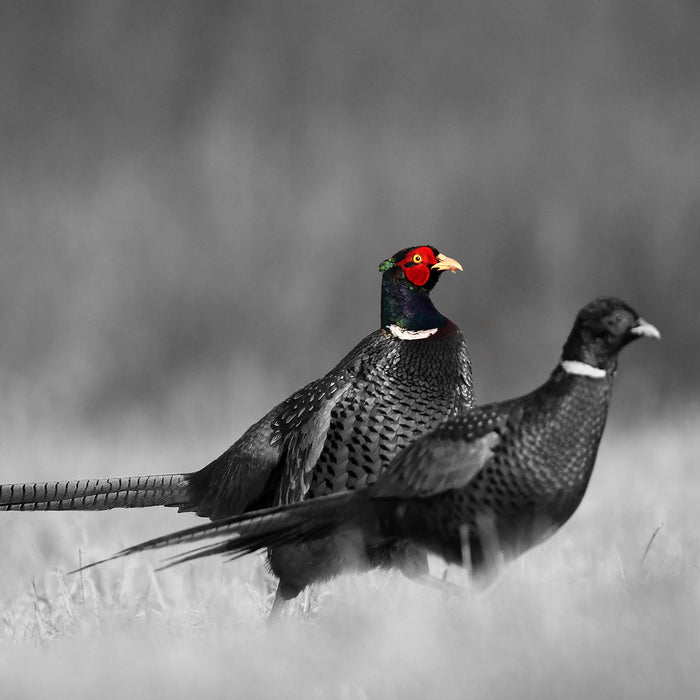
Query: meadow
{"type": "Point", "coordinates": [607, 608]}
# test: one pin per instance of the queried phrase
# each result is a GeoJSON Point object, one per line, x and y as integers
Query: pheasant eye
{"type": "Point", "coordinates": [417, 258]}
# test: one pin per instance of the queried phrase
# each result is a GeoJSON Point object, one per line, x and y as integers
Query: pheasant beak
{"type": "Point", "coordinates": [445, 263]}
{"type": "Point", "coordinates": [643, 328]}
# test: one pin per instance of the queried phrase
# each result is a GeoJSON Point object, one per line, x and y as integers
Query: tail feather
{"type": "Point", "coordinates": [98, 494]}
{"type": "Point", "coordinates": [238, 547]}
{"type": "Point", "coordinates": [243, 534]}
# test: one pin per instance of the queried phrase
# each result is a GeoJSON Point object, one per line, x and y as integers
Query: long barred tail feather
{"type": "Point", "coordinates": [98, 494]}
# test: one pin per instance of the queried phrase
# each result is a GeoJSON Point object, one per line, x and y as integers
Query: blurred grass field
{"type": "Point", "coordinates": [585, 615]}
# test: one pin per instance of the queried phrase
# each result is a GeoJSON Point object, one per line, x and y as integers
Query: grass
{"type": "Point", "coordinates": [607, 608]}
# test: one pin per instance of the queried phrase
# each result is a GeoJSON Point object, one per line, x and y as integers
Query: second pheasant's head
{"type": "Point", "coordinates": [602, 328]}
{"type": "Point", "coordinates": [419, 266]}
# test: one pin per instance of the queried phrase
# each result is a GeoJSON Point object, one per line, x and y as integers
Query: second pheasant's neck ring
{"type": "Point", "coordinates": [404, 334]}
{"type": "Point", "coordinates": [582, 369]}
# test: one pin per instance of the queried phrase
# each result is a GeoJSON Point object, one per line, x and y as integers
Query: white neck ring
{"type": "Point", "coordinates": [582, 369]}
{"type": "Point", "coordinates": [404, 334]}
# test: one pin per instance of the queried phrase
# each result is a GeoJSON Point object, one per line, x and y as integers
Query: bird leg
{"type": "Point", "coordinates": [440, 584]}
{"type": "Point", "coordinates": [306, 603]}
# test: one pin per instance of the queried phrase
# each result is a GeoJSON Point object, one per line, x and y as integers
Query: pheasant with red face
{"type": "Point", "coordinates": [338, 432]}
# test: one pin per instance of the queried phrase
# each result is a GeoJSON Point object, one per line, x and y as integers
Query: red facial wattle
{"type": "Point", "coordinates": [417, 264]}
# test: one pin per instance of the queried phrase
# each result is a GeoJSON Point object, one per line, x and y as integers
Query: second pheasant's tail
{"type": "Point", "coordinates": [99, 494]}
{"type": "Point", "coordinates": [242, 534]}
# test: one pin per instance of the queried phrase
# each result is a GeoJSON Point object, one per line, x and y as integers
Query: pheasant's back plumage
{"type": "Point", "coordinates": [401, 390]}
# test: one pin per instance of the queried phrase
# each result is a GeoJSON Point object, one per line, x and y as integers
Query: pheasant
{"type": "Point", "coordinates": [338, 432]}
{"type": "Point", "coordinates": [478, 490]}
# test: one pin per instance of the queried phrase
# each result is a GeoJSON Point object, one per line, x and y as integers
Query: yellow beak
{"type": "Point", "coordinates": [445, 263]}
{"type": "Point", "coordinates": [646, 329]}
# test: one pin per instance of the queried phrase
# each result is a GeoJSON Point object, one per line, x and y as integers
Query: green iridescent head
{"type": "Point", "coordinates": [407, 278]}
{"type": "Point", "coordinates": [420, 266]}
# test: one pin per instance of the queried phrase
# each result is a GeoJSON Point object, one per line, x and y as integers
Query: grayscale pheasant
{"type": "Point", "coordinates": [479, 490]}
{"type": "Point", "coordinates": [338, 432]}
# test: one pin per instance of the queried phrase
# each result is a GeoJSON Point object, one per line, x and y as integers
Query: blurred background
{"type": "Point", "coordinates": [195, 196]}
{"type": "Point", "coordinates": [194, 199]}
